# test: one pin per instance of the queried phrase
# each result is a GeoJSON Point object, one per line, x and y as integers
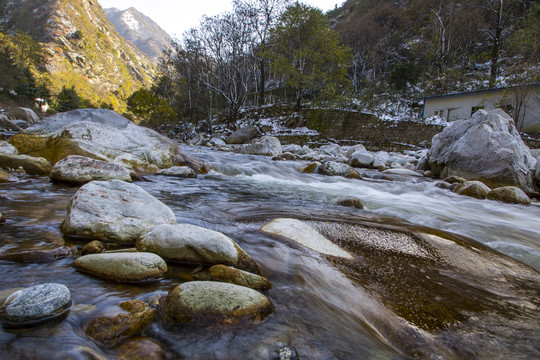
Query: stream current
{"type": "Point", "coordinates": [321, 309]}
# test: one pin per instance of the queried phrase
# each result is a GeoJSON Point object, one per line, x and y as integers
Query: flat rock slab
{"type": "Point", "coordinates": [80, 170]}
{"type": "Point", "coordinates": [35, 304]}
{"type": "Point", "coordinates": [187, 243]}
{"type": "Point", "coordinates": [402, 172]}
{"type": "Point", "coordinates": [114, 211]}
{"type": "Point", "coordinates": [305, 235]}
{"type": "Point", "coordinates": [37, 255]}
{"type": "Point", "coordinates": [209, 301]}
{"type": "Point", "coordinates": [123, 267]}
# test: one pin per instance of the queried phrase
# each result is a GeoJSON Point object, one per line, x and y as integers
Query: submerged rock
{"type": "Point", "coordinates": [37, 255]}
{"type": "Point", "coordinates": [34, 304]}
{"type": "Point", "coordinates": [309, 168]}
{"type": "Point", "coordinates": [509, 194]}
{"type": "Point", "coordinates": [209, 302]}
{"type": "Point", "coordinates": [178, 171]}
{"type": "Point", "coordinates": [187, 243]}
{"type": "Point", "coordinates": [239, 277]}
{"type": "Point", "coordinates": [32, 165]}
{"type": "Point", "coordinates": [487, 148]}
{"type": "Point", "coordinates": [266, 146]}
{"type": "Point", "coordinates": [351, 202]}
{"type": "Point", "coordinates": [141, 348]}
{"type": "Point", "coordinates": [114, 211]}
{"type": "Point", "coordinates": [287, 353]}
{"type": "Point", "coordinates": [305, 235]}
{"type": "Point", "coordinates": [101, 134]}
{"type": "Point", "coordinates": [474, 189]}
{"type": "Point", "coordinates": [123, 267]}
{"type": "Point", "coordinates": [79, 170]}
{"type": "Point", "coordinates": [111, 331]}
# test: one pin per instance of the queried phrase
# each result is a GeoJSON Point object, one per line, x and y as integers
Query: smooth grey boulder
{"type": "Point", "coordinates": [292, 148]}
{"type": "Point", "coordinates": [380, 159]}
{"type": "Point", "coordinates": [351, 150]}
{"type": "Point", "coordinates": [123, 267]}
{"type": "Point", "coordinates": [475, 189]}
{"type": "Point", "coordinates": [178, 171]}
{"type": "Point", "coordinates": [363, 159]}
{"type": "Point", "coordinates": [32, 165]}
{"type": "Point", "coordinates": [331, 150]}
{"type": "Point", "coordinates": [114, 211]}
{"type": "Point", "coordinates": [79, 170]}
{"type": "Point", "coordinates": [243, 135]}
{"type": "Point", "coordinates": [7, 148]}
{"type": "Point", "coordinates": [487, 148]}
{"type": "Point", "coordinates": [34, 304]}
{"type": "Point", "coordinates": [187, 243]}
{"type": "Point", "coordinates": [22, 113]}
{"type": "Point", "coordinates": [266, 146]}
{"type": "Point", "coordinates": [333, 168]}
{"type": "Point", "coordinates": [213, 302]}
{"type": "Point", "coordinates": [104, 135]}
{"type": "Point", "coordinates": [10, 125]}
{"type": "Point", "coordinates": [509, 194]}
{"type": "Point", "coordinates": [303, 234]}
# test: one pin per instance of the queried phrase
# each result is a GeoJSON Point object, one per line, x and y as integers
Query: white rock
{"type": "Point", "coordinates": [305, 235]}
{"type": "Point", "coordinates": [7, 148]}
{"type": "Point", "coordinates": [80, 170]}
{"type": "Point", "coordinates": [178, 171]}
{"type": "Point", "coordinates": [362, 159]}
{"type": "Point", "coordinates": [266, 145]}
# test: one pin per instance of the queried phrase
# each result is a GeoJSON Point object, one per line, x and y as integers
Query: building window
{"type": "Point", "coordinates": [476, 108]}
{"type": "Point", "coordinates": [438, 113]}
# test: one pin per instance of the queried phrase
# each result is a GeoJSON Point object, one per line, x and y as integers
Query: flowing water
{"type": "Point", "coordinates": [324, 307]}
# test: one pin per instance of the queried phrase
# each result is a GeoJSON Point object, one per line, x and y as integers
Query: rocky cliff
{"type": "Point", "coordinates": [141, 31]}
{"type": "Point", "coordinates": [82, 47]}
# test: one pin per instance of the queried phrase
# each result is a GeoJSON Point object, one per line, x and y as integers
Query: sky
{"type": "Point", "coordinates": [177, 16]}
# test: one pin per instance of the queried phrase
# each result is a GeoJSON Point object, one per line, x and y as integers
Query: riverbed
{"type": "Point", "coordinates": [324, 307]}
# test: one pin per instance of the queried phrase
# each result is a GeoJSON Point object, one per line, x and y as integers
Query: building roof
{"type": "Point", "coordinates": [481, 91]}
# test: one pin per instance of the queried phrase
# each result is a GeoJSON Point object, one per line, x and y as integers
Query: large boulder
{"type": "Point", "coordinates": [487, 148]}
{"type": "Point", "coordinates": [80, 169]}
{"type": "Point", "coordinates": [187, 243]}
{"type": "Point", "coordinates": [243, 135]}
{"type": "Point", "coordinates": [114, 211]}
{"type": "Point", "coordinates": [266, 145]}
{"type": "Point", "coordinates": [32, 165]}
{"type": "Point", "coordinates": [35, 304]}
{"type": "Point", "coordinates": [25, 114]}
{"type": "Point", "coordinates": [123, 266]}
{"type": "Point", "coordinates": [303, 234]}
{"type": "Point", "coordinates": [209, 301]}
{"type": "Point", "coordinates": [104, 135]}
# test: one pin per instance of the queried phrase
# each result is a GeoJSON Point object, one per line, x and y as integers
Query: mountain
{"type": "Point", "coordinates": [82, 48]}
{"type": "Point", "coordinates": [141, 31]}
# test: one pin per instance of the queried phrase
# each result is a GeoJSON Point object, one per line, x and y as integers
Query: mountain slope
{"type": "Point", "coordinates": [82, 48]}
{"type": "Point", "coordinates": [141, 31]}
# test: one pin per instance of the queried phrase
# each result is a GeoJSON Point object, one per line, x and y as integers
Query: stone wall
{"type": "Point", "coordinates": [375, 134]}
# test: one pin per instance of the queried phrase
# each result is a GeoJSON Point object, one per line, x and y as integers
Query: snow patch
{"type": "Point", "coordinates": [130, 21]}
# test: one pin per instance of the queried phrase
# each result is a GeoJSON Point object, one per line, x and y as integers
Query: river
{"type": "Point", "coordinates": [323, 308]}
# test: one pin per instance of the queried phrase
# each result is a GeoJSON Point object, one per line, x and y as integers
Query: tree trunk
{"type": "Point", "coordinates": [495, 53]}
{"type": "Point", "coordinates": [261, 88]}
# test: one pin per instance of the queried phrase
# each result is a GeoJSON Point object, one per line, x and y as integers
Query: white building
{"type": "Point", "coordinates": [522, 102]}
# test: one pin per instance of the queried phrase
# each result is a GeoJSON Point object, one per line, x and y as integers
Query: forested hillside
{"type": "Point", "coordinates": [370, 55]}
{"type": "Point", "coordinates": [74, 51]}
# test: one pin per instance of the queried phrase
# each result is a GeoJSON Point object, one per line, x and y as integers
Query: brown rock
{"type": "Point", "coordinates": [309, 168]}
{"type": "Point", "coordinates": [93, 247]}
{"type": "Point", "coordinates": [32, 165]}
{"type": "Point", "coordinates": [351, 202]}
{"type": "Point", "coordinates": [4, 176]}
{"type": "Point", "coordinates": [509, 194]}
{"type": "Point", "coordinates": [140, 348]}
{"type": "Point", "coordinates": [353, 174]}
{"type": "Point", "coordinates": [474, 189]}
{"type": "Point", "coordinates": [239, 277]}
{"type": "Point", "coordinates": [111, 331]}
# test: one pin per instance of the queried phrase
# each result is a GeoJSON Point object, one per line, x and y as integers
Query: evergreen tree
{"type": "Point", "coordinates": [68, 99]}
{"type": "Point", "coordinates": [308, 53]}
